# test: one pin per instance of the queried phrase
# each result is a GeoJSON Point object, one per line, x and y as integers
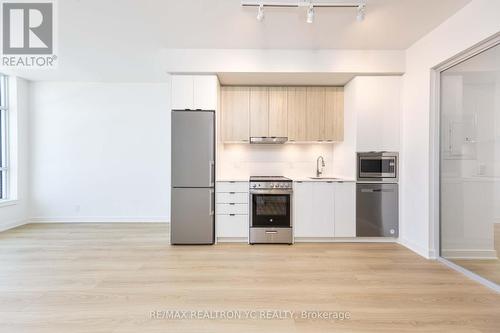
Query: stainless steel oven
{"type": "Point", "coordinates": [270, 210]}
{"type": "Point", "coordinates": [378, 166]}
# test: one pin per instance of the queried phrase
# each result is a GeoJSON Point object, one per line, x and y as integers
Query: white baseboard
{"type": "Point", "coordinates": [317, 240]}
{"type": "Point", "coordinates": [101, 219]}
{"type": "Point", "coordinates": [344, 240]}
{"type": "Point", "coordinates": [470, 274]}
{"type": "Point", "coordinates": [469, 254]}
{"type": "Point", "coordinates": [12, 224]}
{"type": "Point", "coordinates": [232, 240]}
{"type": "Point", "coordinates": [426, 253]}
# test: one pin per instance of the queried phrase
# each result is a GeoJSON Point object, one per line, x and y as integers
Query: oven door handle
{"type": "Point", "coordinates": [277, 191]}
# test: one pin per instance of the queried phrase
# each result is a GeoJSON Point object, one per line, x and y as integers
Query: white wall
{"type": "Point", "coordinates": [100, 152]}
{"type": "Point", "coordinates": [475, 22]}
{"type": "Point", "coordinates": [16, 212]}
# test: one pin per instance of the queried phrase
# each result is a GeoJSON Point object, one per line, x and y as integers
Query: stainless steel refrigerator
{"type": "Point", "coordinates": [193, 177]}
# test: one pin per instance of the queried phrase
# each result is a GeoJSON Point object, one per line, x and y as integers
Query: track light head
{"type": "Point", "coordinates": [361, 13]}
{"type": "Point", "coordinates": [310, 14]}
{"type": "Point", "coordinates": [260, 13]}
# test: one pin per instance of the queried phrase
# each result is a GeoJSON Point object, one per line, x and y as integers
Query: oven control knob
{"type": "Point", "coordinates": [254, 185]}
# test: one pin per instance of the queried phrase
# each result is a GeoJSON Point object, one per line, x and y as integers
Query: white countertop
{"type": "Point", "coordinates": [295, 179]}
{"type": "Point", "coordinates": [324, 179]}
{"type": "Point", "coordinates": [232, 179]}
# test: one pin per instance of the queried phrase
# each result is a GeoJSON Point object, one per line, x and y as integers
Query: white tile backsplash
{"type": "Point", "coordinates": [291, 160]}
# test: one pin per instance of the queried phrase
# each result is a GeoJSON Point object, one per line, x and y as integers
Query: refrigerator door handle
{"type": "Point", "coordinates": [211, 203]}
{"type": "Point", "coordinates": [211, 165]}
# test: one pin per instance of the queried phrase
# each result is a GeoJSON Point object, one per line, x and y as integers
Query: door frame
{"type": "Point", "coordinates": [435, 154]}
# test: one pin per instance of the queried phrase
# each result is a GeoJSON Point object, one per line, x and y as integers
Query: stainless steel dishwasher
{"type": "Point", "coordinates": [377, 210]}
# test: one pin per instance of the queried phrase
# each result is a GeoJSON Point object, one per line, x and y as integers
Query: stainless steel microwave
{"type": "Point", "coordinates": [378, 166]}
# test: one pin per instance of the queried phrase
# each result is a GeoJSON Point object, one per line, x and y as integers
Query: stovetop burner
{"type": "Point", "coordinates": [269, 179]}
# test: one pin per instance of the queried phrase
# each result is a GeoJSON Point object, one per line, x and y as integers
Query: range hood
{"type": "Point", "coordinates": [268, 140]}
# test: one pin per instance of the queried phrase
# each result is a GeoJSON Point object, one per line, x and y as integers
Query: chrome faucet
{"type": "Point", "coordinates": [318, 171]}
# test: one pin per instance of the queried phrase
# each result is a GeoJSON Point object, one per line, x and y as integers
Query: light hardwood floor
{"type": "Point", "coordinates": [108, 277]}
{"type": "Point", "coordinates": [489, 269]}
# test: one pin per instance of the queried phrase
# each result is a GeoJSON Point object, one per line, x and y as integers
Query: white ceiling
{"type": "Point", "coordinates": [109, 40]}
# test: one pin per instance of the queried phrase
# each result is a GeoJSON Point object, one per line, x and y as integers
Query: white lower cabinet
{"type": "Point", "coordinates": [302, 208]}
{"type": "Point", "coordinates": [324, 209]}
{"type": "Point", "coordinates": [231, 219]}
{"type": "Point", "coordinates": [231, 208]}
{"type": "Point", "coordinates": [345, 209]}
{"type": "Point", "coordinates": [232, 226]}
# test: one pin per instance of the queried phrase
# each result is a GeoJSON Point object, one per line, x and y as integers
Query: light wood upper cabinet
{"type": "Point", "coordinates": [278, 112]}
{"type": "Point", "coordinates": [235, 114]}
{"type": "Point", "coordinates": [334, 114]}
{"type": "Point", "coordinates": [303, 114]}
{"type": "Point", "coordinates": [297, 113]}
{"type": "Point", "coordinates": [315, 120]}
{"type": "Point", "coordinates": [259, 111]}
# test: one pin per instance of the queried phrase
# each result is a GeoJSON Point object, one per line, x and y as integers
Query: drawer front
{"type": "Point", "coordinates": [237, 209]}
{"type": "Point", "coordinates": [232, 187]}
{"type": "Point", "coordinates": [231, 197]}
{"type": "Point", "coordinates": [232, 226]}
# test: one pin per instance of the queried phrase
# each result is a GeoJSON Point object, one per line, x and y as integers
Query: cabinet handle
{"type": "Point", "coordinates": [232, 203]}
{"type": "Point", "coordinates": [232, 214]}
{"type": "Point", "coordinates": [232, 192]}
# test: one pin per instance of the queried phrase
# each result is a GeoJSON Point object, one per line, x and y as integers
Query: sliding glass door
{"type": "Point", "coordinates": [470, 164]}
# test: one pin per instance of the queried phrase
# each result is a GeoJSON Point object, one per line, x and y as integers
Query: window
{"type": "Point", "coordinates": [3, 137]}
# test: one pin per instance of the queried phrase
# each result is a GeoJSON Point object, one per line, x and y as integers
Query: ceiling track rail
{"type": "Point", "coordinates": [297, 4]}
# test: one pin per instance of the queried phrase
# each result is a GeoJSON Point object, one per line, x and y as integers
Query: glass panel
{"type": "Point", "coordinates": [270, 205]}
{"type": "Point", "coordinates": [371, 166]}
{"type": "Point", "coordinates": [470, 164]}
{"type": "Point", "coordinates": [2, 91]}
{"type": "Point", "coordinates": [270, 210]}
{"type": "Point", "coordinates": [384, 165]}
{"type": "Point", "coordinates": [2, 137]}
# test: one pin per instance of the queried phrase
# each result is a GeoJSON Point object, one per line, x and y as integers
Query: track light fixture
{"type": "Point", "coordinates": [361, 13]}
{"type": "Point", "coordinates": [310, 14]}
{"type": "Point", "coordinates": [260, 13]}
{"type": "Point", "coordinates": [311, 5]}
